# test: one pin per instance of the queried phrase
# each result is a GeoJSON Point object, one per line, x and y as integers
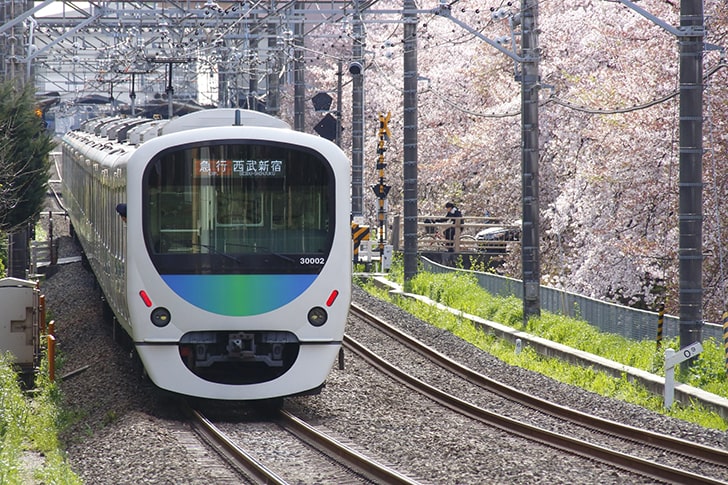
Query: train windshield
{"type": "Point", "coordinates": [228, 208]}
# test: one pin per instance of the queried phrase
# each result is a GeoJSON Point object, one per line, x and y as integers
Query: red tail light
{"type": "Point", "coordinates": [332, 297]}
{"type": "Point", "coordinates": [145, 298]}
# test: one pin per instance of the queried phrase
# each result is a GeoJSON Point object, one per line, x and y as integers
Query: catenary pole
{"type": "Point", "coordinates": [357, 114]}
{"type": "Point", "coordinates": [691, 36]}
{"type": "Point", "coordinates": [409, 165]}
{"type": "Point", "coordinates": [273, 82]}
{"type": "Point", "coordinates": [530, 84]}
{"type": "Point", "coordinates": [690, 210]}
{"type": "Point", "coordinates": [299, 85]}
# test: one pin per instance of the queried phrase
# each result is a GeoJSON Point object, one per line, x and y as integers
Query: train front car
{"type": "Point", "coordinates": [239, 260]}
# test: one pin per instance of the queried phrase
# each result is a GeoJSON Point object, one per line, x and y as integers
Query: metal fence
{"type": "Point", "coordinates": [608, 317]}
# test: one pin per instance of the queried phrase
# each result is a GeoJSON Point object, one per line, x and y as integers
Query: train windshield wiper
{"type": "Point", "coordinates": [213, 250]}
{"type": "Point", "coordinates": [282, 256]}
{"type": "Point", "coordinates": [266, 251]}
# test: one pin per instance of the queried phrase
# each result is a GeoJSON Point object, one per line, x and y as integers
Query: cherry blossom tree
{"type": "Point", "coordinates": [609, 158]}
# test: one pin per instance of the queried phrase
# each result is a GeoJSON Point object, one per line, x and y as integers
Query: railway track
{"type": "Point", "coordinates": [332, 460]}
{"type": "Point", "coordinates": [716, 459]}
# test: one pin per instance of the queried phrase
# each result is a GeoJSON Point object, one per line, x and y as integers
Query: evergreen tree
{"type": "Point", "coordinates": [24, 162]}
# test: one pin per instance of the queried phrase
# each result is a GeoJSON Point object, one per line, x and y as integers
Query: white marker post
{"type": "Point", "coordinates": [387, 257]}
{"type": "Point", "coordinates": [672, 359]}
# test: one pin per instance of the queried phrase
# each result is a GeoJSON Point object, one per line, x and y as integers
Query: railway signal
{"type": "Point", "coordinates": [329, 126]}
{"type": "Point", "coordinates": [326, 128]}
{"type": "Point", "coordinates": [381, 189]}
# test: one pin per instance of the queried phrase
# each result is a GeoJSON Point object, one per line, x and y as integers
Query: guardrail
{"type": "Point", "coordinates": [431, 235]}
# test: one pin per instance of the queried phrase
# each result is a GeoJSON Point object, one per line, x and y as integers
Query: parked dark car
{"type": "Point", "coordinates": [494, 239]}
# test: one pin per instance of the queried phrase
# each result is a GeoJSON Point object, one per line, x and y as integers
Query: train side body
{"type": "Point", "coordinates": [232, 273]}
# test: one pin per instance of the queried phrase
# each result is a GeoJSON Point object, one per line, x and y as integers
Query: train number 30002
{"type": "Point", "coordinates": [312, 260]}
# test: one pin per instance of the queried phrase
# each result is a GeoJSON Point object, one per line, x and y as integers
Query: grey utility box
{"type": "Point", "coordinates": [19, 321]}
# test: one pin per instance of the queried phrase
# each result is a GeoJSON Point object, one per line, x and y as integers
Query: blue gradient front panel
{"type": "Point", "coordinates": [239, 295]}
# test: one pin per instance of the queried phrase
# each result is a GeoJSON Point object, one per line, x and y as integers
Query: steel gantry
{"type": "Point", "coordinates": [226, 54]}
{"type": "Point", "coordinates": [237, 52]}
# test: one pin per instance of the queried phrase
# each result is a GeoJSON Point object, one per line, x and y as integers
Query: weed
{"type": "Point", "coordinates": [462, 292]}
{"type": "Point", "coordinates": [30, 424]}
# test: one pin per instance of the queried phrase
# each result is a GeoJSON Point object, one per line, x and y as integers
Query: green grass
{"type": "Point", "coordinates": [461, 291]}
{"type": "Point", "coordinates": [13, 417]}
{"type": "Point", "coordinates": [30, 424]}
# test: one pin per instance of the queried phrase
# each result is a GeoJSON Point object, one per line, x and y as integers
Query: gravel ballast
{"type": "Point", "coordinates": [122, 431]}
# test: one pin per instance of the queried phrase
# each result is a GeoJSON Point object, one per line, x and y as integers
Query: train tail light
{"type": "Point", "coordinates": [145, 298]}
{"type": "Point", "coordinates": [332, 297]}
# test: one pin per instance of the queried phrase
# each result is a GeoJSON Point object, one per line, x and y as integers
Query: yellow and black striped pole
{"type": "Point", "coordinates": [381, 189]}
{"type": "Point", "coordinates": [725, 339]}
{"type": "Point", "coordinates": [660, 322]}
{"type": "Point", "coordinates": [358, 234]}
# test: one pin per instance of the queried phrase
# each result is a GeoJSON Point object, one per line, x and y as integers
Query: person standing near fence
{"type": "Point", "coordinates": [454, 215]}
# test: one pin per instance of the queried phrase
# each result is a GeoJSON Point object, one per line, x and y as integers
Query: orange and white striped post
{"type": "Point", "coordinates": [42, 317]}
{"type": "Point", "coordinates": [51, 358]}
{"type": "Point", "coordinates": [51, 339]}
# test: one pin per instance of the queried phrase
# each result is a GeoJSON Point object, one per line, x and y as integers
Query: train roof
{"type": "Point", "coordinates": [136, 131]}
{"type": "Point", "coordinates": [121, 131]}
{"type": "Point", "coordinates": [222, 117]}
{"type": "Point", "coordinates": [140, 133]}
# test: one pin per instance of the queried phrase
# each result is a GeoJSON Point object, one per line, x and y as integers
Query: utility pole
{"type": "Point", "coordinates": [530, 85]}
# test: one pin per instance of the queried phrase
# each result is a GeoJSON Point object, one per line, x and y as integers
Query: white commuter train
{"type": "Point", "coordinates": [232, 271]}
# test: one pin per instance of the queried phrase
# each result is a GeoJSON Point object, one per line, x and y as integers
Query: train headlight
{"type": "Point", "coordinates": [160, 317]}
{"type": "Point", "coordinates": [317, 316]}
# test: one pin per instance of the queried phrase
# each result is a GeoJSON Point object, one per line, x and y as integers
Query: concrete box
{"type": "Point", "coordinates": [19, 315]}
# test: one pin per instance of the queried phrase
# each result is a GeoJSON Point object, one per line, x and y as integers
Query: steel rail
{"type": "Point", "coordinates": [697, 451]}
{"type": "Point", "coordinates": [345, 455]}
{"type": "Point", "coordinates": [372, 469]}
{"type": "Point", "coordinates": [231, 452]}
{"type": "Point", "coordinates": [530, 432]}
